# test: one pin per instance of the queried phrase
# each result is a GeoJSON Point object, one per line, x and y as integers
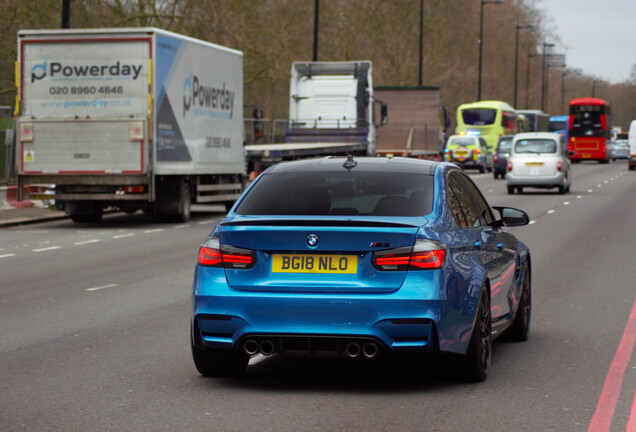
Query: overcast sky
{"type": "Point", "coordinates": [600, 35]}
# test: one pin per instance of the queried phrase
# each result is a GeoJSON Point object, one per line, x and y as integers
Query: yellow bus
{"type": "Point", "coordinates": [487, 119]}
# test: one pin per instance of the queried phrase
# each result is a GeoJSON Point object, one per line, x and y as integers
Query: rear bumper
{"type": "Point", "coordinates": [558, 179]}
{"type": "Point", "coordinates": [398, 321]}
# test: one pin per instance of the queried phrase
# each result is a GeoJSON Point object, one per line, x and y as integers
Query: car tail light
{"type": "Point", "coordinates": [559, 166]}
{"type": "Point", "coordinates": [509, 165]}
{"type": "Point", "coordinates": [214, 254]}
{"type": "Point", "coordinates": [495, 157]}
{"type": "Point", "coordinates": [424, 255]}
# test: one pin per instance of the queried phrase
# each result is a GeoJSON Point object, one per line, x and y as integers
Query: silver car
{"type": "Point", "coordinates": [538, 160]}
{"type": "Point", "coordinates": [620, 149]}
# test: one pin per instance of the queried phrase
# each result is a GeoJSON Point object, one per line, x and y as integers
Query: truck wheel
{"type": "Point", "coordinates": [185, 203]}
{"type": "Point", "coordinates": [93, 217]}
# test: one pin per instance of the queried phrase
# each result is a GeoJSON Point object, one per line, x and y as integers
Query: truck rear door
{"type": "Point", "coordinates": [84, 104]}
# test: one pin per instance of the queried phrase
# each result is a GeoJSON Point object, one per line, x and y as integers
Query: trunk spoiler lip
{"type": "Point", "coordinates": [404, 222]}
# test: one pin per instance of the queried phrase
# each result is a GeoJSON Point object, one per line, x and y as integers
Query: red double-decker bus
{"type": "Point", "coordinates": [589, 129]}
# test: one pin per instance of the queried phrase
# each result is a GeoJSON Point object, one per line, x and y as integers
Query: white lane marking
{"type": "Point", "coordinates": [579, 196]}
{"type": "Point", "coordinates": [207, 222]}
{"type": "Point", "coordinates": [86, 242]}
{"type": "Point", "coordinates": [180, 226]}
{"type": "Point", "coordinates": [7, 255]}
{"type": "Point", "coordinates": [565, 203]}
{"type": "Point", "coordinates": [606, 182]}
{"type": "Point", "coordinates": [599, 185]}
{"type": "Point", "coordinates": [47, 249]}
{"type": "Point", "coordinates": [153, 230]}
{"type": "Point", "coordinates": [551, 211]}
{"type": "Point", "coordinates": [122, 236]}
{"type": "Point", "coordinates": [590, 190]}
{"type": "Point", "coordinates": [532, 222]}
{"type": "Point", "coordinates": [102, 287]}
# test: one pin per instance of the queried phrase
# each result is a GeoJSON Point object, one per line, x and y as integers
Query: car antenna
{"type": "Point", "coordinates": [350, 163]}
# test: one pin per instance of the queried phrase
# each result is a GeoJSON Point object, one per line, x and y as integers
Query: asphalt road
{"type": "Point", "coordinates": [94, 334]}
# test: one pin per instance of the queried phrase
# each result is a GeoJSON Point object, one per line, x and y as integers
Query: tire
{"type": "Point", "coordinates": [561, 190]}
{"type": "Point", "coordinates": [94, 217]}
{"type": "Point", "coordinates": [476, 363]}
{"type": "Point", "coordinates": [212, 362]}
{"type": "Point", "coordinates": [520, 189]}
{"type": "Point", "coordinates": [520, 328]}
{"type": "Point", "coordinates": [185, 203]}
{"type": "Point", "coordinates": [511, 190]}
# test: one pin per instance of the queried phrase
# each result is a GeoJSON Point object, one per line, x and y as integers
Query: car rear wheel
{"type": "Point", "coordinates": [520, 329]}
{"type": "Point", "coordinates": [511, 190]}
{"type": "Point", "coordinates": [219, 362]}
{"type": "Point", "coordinates": [216, 362]}
{"type": "Point", "coordinates": [477, 361]}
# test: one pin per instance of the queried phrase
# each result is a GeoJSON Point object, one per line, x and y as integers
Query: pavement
{"type": "Point", "coordinates": [14, 212]}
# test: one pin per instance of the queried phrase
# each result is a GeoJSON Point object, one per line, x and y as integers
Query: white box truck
{"type": "Point", "coordinates": [129, 118]}
{"type": "Point", "coordinates": [332, 111]}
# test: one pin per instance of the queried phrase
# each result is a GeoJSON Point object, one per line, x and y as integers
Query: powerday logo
{"type": "Point", "coordinates": [38, 72]}
{"type": "Point", "coordinates": [57, 70]}
{"type": "Point", "coordinates": [207, 100]}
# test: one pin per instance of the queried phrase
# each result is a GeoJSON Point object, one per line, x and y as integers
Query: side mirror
{"type": "Point", "coordinates": [384, 113]}
{"type": "Point", "coordinates": [511, 217]}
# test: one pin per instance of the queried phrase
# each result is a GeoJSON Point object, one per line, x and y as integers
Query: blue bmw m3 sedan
{"type": "Point", "coordinates": [360, 257]}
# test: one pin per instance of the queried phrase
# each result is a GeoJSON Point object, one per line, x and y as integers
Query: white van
{"type": "Point", "coordinates": [631, 138]}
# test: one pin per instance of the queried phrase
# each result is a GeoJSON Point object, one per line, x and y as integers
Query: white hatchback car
{"type": "Point", "coordinates": [538, 160]}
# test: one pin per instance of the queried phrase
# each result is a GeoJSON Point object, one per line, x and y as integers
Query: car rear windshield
{"type": "Point", "coordinates": [479, 116]}
{"type": "Point", "coordinates": [462, 142]}
{"type": "Point", "coordinates": [536, 146]}
{"type": "Point", "coordinates": [557, 126]}
{"type": "Point", "coordinates": [505, 144]}
{"type": "Point", "coordinates": [340, 193]}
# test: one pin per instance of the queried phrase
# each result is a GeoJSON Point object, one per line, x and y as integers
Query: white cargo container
{"type": "Point", "coordinates": [133, 118]}
{"type": "Point", "coordinates": [332, 111]}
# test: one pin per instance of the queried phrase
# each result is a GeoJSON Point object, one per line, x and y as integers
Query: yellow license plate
{"type": "Point", "coordinates": [42, 197]}
{"type": "Point", "coordinates": [587, 156]}
{"type": "Point", "coordinates": [314, 263]}
{"type": "Point", "coordinates": [534, 163]}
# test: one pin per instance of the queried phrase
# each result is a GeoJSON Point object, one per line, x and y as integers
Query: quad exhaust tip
{"type": "Point", "coordinates": [265, 347]}
{"type": "Point", "coordinates": [250, 347]}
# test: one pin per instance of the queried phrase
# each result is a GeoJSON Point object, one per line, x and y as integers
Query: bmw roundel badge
{"type": "Point", "coordinates": [312, 240]}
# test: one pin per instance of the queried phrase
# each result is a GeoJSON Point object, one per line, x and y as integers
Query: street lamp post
{"type": "Point", "coordinates": [481, 35]}
{"type": "Point", "coordinates": [565, 72]}
{"type": "Point", "coordinates": [545, 45]}
{"type": "Point", "coordinates": [527, 26]}
{"type": "Point", "coordinates": [316, 6]}
{"type": "Point", "coordinates": [528, 77]}
{"type": "Point", "coordinates": [548, 77]}
{"type": "Point", "coordinates": [594, 87]}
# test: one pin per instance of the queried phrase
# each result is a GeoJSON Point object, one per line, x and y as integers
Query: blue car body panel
{"type": "Point", "coordinates": [423, 311]}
